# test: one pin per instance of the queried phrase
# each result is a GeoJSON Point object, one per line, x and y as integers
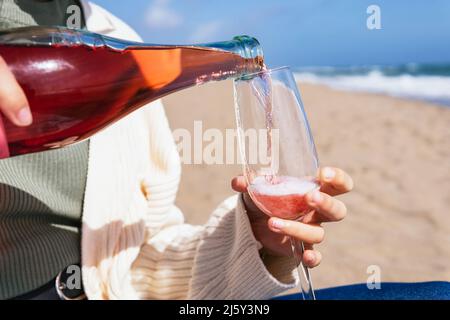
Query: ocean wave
{"type": "Point", "coordinates": [424, 87]}
{"type": "Point", "coordinates": [414, 69]}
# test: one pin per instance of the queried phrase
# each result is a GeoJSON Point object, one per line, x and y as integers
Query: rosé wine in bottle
{"type": "Point", "coordinates": [282, 196]}
{"type": "Point", "coordinates": [78, 82]}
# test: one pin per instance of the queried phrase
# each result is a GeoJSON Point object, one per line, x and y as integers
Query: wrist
{"type": "Point", "coordinates": [257, 220]}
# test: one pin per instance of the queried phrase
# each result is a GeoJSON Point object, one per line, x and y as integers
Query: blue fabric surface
{"type": "Point", "coordinates": [437, 290]}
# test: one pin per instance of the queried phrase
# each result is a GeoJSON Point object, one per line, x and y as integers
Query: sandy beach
{"type": "Point", "coordinates": [398, 153]}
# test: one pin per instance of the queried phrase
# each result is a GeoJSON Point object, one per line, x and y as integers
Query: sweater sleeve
{"type": "Point", "coordinates": [219, 260]}
{"type": "Point", "coordinates": [135, 243]}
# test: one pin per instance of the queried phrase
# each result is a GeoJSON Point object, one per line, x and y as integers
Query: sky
{"type": "Point", "coordinates": [301, 32]}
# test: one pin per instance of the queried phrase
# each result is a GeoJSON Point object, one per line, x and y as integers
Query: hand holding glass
{"type": "Point", "coordinates": [278, 179]}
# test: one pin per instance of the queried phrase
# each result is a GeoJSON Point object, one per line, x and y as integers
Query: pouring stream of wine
{"type": "Point", "coordinates": [263, 93]}
{"type": "Point", "coordinates": [264, 96]}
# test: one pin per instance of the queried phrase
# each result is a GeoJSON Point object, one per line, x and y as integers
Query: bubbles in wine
{"type": "Point", "coordinates": [282, 185]}
{"type": "Point", "coordinates": [283, 196]}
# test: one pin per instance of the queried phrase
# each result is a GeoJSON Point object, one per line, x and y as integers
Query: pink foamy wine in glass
{"type": "Point", "coordinates": [280, 174]}
{"type": "Point", "coordinates": [282, 197]}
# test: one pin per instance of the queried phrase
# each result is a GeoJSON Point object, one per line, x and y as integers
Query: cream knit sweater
{"type": "Point", "coordinates": [135, 244]}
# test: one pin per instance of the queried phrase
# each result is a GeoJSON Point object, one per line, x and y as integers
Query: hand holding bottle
{"type": "Point", "coordinates": [13, 102]}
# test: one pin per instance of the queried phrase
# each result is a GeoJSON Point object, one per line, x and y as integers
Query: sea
{"type": "Point", "coordinates": [428, 82]}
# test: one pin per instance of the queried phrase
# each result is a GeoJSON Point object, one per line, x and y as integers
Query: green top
{"type": "Point", "coordinates": [22, 13]}
{"type": "Point", "coordinates": [41, 194]}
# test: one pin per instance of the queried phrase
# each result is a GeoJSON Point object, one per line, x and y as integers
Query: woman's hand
{"type": "Point", "coordinates": [13, 102]}
{"type": "Point", "coordinates": [273, 233]}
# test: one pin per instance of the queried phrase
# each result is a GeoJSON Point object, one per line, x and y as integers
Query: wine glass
{"type": "Point", "coordinates": [277, 151]}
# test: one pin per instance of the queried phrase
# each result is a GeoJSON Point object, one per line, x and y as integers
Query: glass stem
{"type": "Point", "coordinates": [305, 280]}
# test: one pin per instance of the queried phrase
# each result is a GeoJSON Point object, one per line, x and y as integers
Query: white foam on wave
{"type": "Point", "coordinates": [432, 88]}
{"type": "Point", "coordinates": [285, 186]}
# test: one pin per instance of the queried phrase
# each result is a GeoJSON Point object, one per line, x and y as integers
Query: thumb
{"type": "Point", "coordinates": [239, 184]}
{"type": "Point", "coordinates": [13, 102]}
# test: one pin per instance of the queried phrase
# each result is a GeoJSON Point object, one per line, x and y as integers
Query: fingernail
{"type": "Point", "coordinates": [316, 196]}
{"type": "Point", "coordinates": [278, 224]}
{"type": "Point", "coordinates": [24, 116]}
{"type": "Point", "coordinates": [328, 173]}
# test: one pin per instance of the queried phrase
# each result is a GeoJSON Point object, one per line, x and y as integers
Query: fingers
{"type": "Point", "coordinates": [13, 102]}
{"type": "Point", "coordinates": [309, 233]}
{"type": "Point", "coordinates": [329, 208]}
{"type": "Point", "coordinates": [311, 258]}
{"type": "Point", "coordinates": [334, 181]}
{"type": "Point", "coordinates": [239, 184]}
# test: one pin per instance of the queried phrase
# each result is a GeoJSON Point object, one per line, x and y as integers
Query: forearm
{"type": "Point", "coordinates": [217, 261]}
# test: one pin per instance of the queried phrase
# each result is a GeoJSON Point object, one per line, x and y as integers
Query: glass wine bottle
{"type": "Point", "coordinates": [78, 82]}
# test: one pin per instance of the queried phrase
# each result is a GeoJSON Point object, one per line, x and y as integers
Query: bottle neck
{"type": "Point", "coordinates": [200, 63]}
{"type": "Point", "coordinates": [244, 51]}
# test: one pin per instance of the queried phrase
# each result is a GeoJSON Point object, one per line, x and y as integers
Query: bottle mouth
{"type": "Point", "coordinates": [250, 47]}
